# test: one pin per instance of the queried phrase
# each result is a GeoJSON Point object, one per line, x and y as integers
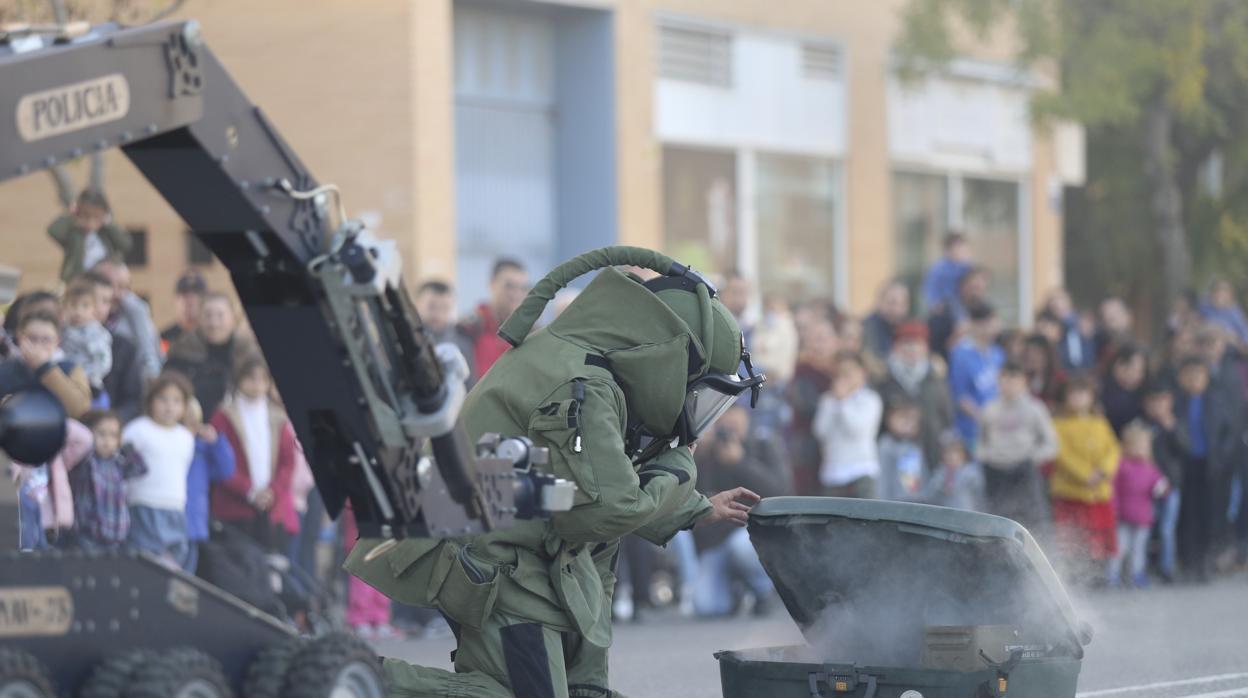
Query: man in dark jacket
{"type": "Point", "coordinates": [917, 377]}
{"type": "Point", "coordinates": [729, 454]}
{"type": "Point", "coordinates": [891, 309]}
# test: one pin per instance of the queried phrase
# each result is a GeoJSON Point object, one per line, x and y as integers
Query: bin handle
{"type": "Point", "coordinates": [814, 678]}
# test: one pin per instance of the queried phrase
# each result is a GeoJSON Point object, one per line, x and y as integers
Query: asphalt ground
{"type": "Point", "coordinates": [1165, 642]}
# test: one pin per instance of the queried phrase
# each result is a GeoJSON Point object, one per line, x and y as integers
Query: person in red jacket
{"type": "Point", "coordinates": [509, 284]}
{"type": "Point", "coordinates": [257, 499]}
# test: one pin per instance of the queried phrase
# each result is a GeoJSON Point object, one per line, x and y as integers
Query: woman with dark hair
{"type": "Point", "coordinates": [1045, 376]}
{"type": "Point", "coordinates": [1122, 392]}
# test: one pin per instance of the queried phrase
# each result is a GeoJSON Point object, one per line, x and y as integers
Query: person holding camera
{"type": "Point", "coordinates": [732, 456]}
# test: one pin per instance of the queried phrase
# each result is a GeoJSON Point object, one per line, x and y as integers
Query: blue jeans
{"type": "Point", "coordinates": [29, 524]}
{"type": "Point", "coordinates": [686, 553]}
{"type": "Point", "coordinates": [161, 532]}
{"type": "Point", "coordinates": [1167, 526]}
{"type": "Point", "coordinates": [732, 560]}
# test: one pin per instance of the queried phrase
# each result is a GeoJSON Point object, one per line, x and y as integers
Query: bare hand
{"type": "Point", "coordinates": [35, 354]}
{"type": "Point", "coordinates": [1097, 478]}
{"type": "Point", "coordinates": [208, 433]}
{"type": "Point", "coordinates": [264, 499]}
{"type": "Point", "coordinates": [726, 507]}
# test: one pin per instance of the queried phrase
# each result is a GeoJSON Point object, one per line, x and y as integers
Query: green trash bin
{"type": "Point", "coordinates": [903, 600]}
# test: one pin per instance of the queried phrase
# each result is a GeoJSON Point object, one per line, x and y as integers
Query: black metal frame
{"type": "Point", "coordinates": [219, 161]}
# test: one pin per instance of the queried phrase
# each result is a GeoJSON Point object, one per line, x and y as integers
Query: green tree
{"type": "Point", "coordinates": [1162, 87]}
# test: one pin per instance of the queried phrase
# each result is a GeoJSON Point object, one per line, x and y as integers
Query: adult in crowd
{"type": "Point", "coordinates": [946, 324]}
{"type": "Point", "coordinates": [892, 307]}
{"type": "Point", "coordinates": [1114, 331]}
{"type": "Point", "coordinates": [816, 366]}
{"type": "Point", "coordinates": [914, 375]}
{"type": "Point", "coordinates": [776, 343]}
{"type": "Point", "coordinates": [1045, 376]}
{"type": "Point", "coordinates": [1222, 308]}
{"type": "Point", "coordinates": [131, 317]}
{"type": "Point", "coordinates": [38, 333]}
{"type": "Point", "coordinates": [973, 370]}
{"type": "Point", "coordinates": [1208, 427]}
{"type": "Point", "coordinates": [435, 302]}
{"type": "Point", "coordinates": [509, 283]}
{"type": "Point", "coordinates": [1122, 391]}
{"type": "Point", "coordinates": [209, 354]}
{"type": "Point", "coordinates": [188, 299]}
{"type": "Point", "coordinates": [734, 293]}
{"type": "Point", "coordinates": [87, 236]}
{"type": "Point", "coordinates": [1075, 345]}
{"type": "Point", "coordinates": [125, 381]}
{"type": "Point", "coordinates": [728, 457]}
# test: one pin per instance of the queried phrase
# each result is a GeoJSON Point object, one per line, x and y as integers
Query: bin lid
{"type": "Point", "coordinates": [865, 578]}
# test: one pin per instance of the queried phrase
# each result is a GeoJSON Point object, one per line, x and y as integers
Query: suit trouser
{"type": "Point", "coordinates": [509, 656]}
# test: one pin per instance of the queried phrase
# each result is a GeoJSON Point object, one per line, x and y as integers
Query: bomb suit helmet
{"type": "Point", "coordinates": [679, 412]}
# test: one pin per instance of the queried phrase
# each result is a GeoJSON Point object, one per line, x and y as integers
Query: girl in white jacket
{"type": "Point", "coordinates": [847, 424]}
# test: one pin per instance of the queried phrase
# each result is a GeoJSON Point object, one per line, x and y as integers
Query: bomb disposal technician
{"type": "Point", "coordinates": [628, 364]}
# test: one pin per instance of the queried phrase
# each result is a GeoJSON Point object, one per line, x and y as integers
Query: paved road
{"type": "Point", "coordinates": [1161, 643]}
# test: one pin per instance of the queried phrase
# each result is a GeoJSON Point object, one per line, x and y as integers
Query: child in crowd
{"type": "Point", "coordinates": [158, 499]}
{"type": "Point", "coordinates": [213, 462]}
{"type": "Point", "coordinates": [85, 341]}
{"type": "Point", "coordinates": [1136, 486]}
{"type": "Point", "coordinates": [974, 367]}
{"type": "Point", "coordinates": [957, 482]}
{"type": "Point", "coordinates": [1168, 455]}
{"type": "Point", "coordinates": [257, 498]}
{"type": "Point", "coordinates": [901, 459]}
{"type": "Point", "coordinates": [846, 424]}
{"type": "Point", "coordinates": [46, 503]}
{"type": "Point", "coordinates": [1082, 483]}
{"type": "Point", "coordinates": [1016, 437]}
{"type": "Point", "coordinates": [99, 485]}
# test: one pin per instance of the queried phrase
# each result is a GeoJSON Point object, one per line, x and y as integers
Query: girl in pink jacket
{"type": "Point", "coordinates": [1136, 486]}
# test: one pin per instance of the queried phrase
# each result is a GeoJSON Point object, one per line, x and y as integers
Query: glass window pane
{"type": "Point", "coordinates": [920, 222]}
{"type": "Point", "coordinates": [990, 217]}
{"type": "Point", "coordinates": [797, 200]}
{"type": "Point", "coordinates": [699, 207]}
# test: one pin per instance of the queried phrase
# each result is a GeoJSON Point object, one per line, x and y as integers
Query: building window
{"type": "Point", "coordinates": [699, 207]}
{"type": "Point", "coordinates": [921, 220]}
{"type": "Point", "coordinates": [797, 202]}
{"type": "Point", "coordinates": [821, 61]}
{"type": "Point", "coordinates": [990, 219]}
{"type": "Point", "coordinates": [197, 253]}
{"type": "Point", "coordinates": [987, 211]}
{"type": "Point", "coordinates": [137, 256]}
{"type": "Point", "coordinates": [695, 55]}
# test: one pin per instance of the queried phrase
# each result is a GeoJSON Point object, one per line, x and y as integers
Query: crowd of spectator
{"type": "Point", "coordinates": [1100, 444]}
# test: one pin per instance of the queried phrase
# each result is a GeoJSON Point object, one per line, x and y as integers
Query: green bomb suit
{"type": "Point", "coordinates": [532, 604]}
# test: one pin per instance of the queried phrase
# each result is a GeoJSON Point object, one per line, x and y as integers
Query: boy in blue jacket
{"type": "Point", "coordinates": [214, 462]}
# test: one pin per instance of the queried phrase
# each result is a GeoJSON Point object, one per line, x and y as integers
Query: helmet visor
{"type": "Point", "coordinates": [710, 397]}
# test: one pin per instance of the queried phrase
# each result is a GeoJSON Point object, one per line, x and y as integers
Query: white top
{"type": "Point", "coordinates": [167, 452]}
{"type": "Point", "coordinates": [93, 250]}
{"type": "Point", "coordinates": [847, 430]}
{"type": "Point", "coordinates": [257, 440]}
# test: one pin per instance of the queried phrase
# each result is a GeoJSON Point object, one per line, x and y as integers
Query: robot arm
{"type": "Point", "coordinates": [365, 388]}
